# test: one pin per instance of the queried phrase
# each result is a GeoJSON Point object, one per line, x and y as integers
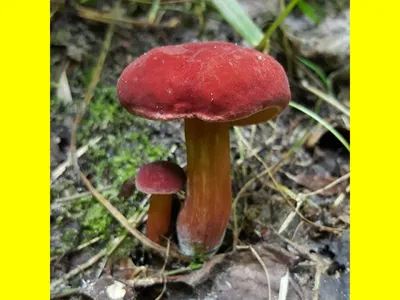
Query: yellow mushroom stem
{"type": "Point", "coordinates": [204, 217]}
{"type": "Point", "coordinates": [159, 217]}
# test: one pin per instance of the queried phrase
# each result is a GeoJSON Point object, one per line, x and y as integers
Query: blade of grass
{"type": "Point", "coordinates": [327, 98]}
{"type": "Point", "coordinates": [234, 14]}
{"type": "Point", "coordinates": [314, 67]}
{"type": "Point", "coordinates": [312, 11]}
{"type": "Point", "coordinates": [153, 11]}
{"type": "Point", "coordinates": [322, 122]}
{"type": "Point", "coordinates": [264, 44]}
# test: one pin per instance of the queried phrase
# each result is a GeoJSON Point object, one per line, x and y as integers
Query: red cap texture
{"type": "Point", "coordinates": [160, 177]}
{"type": "Point", "coordinates": [211, 81]}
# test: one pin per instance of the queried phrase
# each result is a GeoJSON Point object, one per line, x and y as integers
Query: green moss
{"type": "Point", "coordinates": [97, 220]}
{"type": "Point", "coordinates": [126, 247]}
{"type": "Point", "coordinates": [124, 146]}
{"type": "Point", "coordinates": [69, 235]}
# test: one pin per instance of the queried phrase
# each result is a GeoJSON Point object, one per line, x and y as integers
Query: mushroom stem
{"type": "Point", "coordinates": [159, 217]}
{"type": "Point", "coordinates": [204, 217]}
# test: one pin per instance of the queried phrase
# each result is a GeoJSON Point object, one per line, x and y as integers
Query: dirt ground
{"type": "Point", "coordinates": [293, 222]}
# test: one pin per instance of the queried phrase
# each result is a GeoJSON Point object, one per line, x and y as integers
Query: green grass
{"type": "Point", "coordinates": [239, 20]}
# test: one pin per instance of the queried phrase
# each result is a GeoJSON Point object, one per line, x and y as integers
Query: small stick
{"type": "Point", "coordinates": [329, 186]}
{"type": "Point", "coordinates": [166, 257]}
{"type": "Point", "coordinates": [121, 21]}
{"type": "Point", "coordinates": [168, 276]}
{"type": "Point", "coordinates": [268, 171]}
{"type": "Point", "coordinates": [66, 293]}
{"type": "Point", "coordinates": [92, 86]}
{"type": "Point", "coordinates": [57, 172]}
{"type": "Point", "coordinates": [326, 97]}
{"type": "Point", "coordinates": [257, 256]}
{"type": "Point", "coordinates": [80, 247]}
{"type": "Point", "coordinates": [80, 195]}
{"type": "Point", "coordinates": [114, 244]}
{"type": "Point", "coordinates": [164, 288]}
{"type": "Point", "coordinates": [276, 187]}
{"type": "Point", "coordinates": [135, 220]}
{"type": "Point", "coordinates": [318, 272]}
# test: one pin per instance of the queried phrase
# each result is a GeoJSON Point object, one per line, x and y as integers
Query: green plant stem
{"type": "Point", "coordinates": [322, 122]}
{"type": "Point", "coordinates": [264, 44]}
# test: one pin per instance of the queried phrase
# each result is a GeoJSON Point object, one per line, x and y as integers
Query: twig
{"type": "Point", "coordinates": [92, 86]}
{"type": "Point", "coordinates": [280, 190]}
{"type": "Point", "coordinates": [66, 293]}
{"type": "Point", "coordinates": [276, 186]}
{"type": "Point", "coordinates": [135, 220]}
{"type": "Point", "coordinates": [55, 6]}
{"type": "Point", "coordinates": [329, 186]}
{"type": "Point", "coordinates": [268, 171]}
{"type": "Point", "coordinates": [113, 245]}
{"type": "Point", "coordinates": [124, 222]}
{"type": "Point", "coordinates": [235, 202]}
{"type": "Point", "coordinates": [318, 272]}
{"type": "Point", "coordinates": [164, 288]}
{"type": "Point", "coordinates": [80, 247]}
{"type": "Point", "coordinates": [339, 200]}
{"type": "Point", "coordinates": [80, 195]}
{"type": "Point", "coordinates": [57, 172]}
{"type": "Point", "coordinates": [327, 98]}
{"type": "Point", "coordinates": [126, 22]}
{"type": "Point", "coordinates": [166, 256]}
{"type": "Point", "coordinates": [285, 224]}
{"type": "Point", "coordinates": [257, 256]}
{"type": "Point", "coordinates": [305, 251]}
{"type": "Point", "coordinates": [168, 276]}
{"type": "Point", "coordinates": [162, 272]}
{"type": "Point", "coordinates": [283, 286]}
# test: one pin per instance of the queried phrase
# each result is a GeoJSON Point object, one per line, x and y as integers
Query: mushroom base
{"type": "Point", "coordinates": [205, 215]}
{"type": "Point", "coordinates": [189, 248]}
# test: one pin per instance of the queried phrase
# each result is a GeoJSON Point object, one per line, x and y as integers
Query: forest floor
{"type": "Point", "coordinates": [290, 176]}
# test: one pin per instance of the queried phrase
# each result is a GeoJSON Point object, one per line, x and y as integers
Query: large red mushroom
{"type": "Point", "coordinates": [212, 86]}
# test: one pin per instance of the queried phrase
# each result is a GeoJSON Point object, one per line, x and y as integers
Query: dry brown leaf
{"type": "Point", "coordinates": [317, 182]}
{"type": "Point", "coordinates": [127, 189]}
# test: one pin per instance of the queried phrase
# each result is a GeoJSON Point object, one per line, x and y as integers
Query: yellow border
{"type": "Point", "coordinates": [375, 162]}
{"type": "Point", "coordinates": [24, 147]}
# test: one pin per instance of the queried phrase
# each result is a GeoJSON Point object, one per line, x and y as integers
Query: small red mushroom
{"type": "Point", "coordinates": [212, 86]}
{"type": "Point", "coordinates": [161, 179]}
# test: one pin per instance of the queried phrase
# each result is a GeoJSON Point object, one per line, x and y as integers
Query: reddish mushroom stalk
{"type": "Point", "coordinates": [204, 217]}
{"type": "Point", "coordinates": [159, 217]}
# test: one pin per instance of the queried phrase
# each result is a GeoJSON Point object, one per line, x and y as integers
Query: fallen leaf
{"type": "Point", "coordinates": [316, 182]}
{"type": "Point", "coordinates": [127, 189]}
{"type": "Point", "coordinates": [63, 90]}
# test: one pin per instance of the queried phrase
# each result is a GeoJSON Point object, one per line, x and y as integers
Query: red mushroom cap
{"type": "Point", "coordinates": [160, 178]}
{"type": "Point", "coordinates": [212, 81]}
